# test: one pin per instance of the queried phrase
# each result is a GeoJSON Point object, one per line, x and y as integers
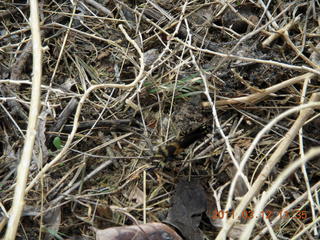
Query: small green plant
{"type": "Point", "coordinates": [185, 87]}
{"type": "Point", "coordinates": [55, 234]}
{"type": "Point", "coordinates": [57, 143]}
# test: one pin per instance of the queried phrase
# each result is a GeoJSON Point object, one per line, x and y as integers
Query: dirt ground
{"type": "Point", "coordinates": [139, 96]}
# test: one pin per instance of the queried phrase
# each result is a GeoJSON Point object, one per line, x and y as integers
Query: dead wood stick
{"type": "Point", "coordinates": [290, 206]}
{"type": "Point", "coordinates": [23, 167]}
{"type": "Point", "coordinates": [102, 123]}
{"type": "Point", "coordinates": [131, 85]}
{"type": "Point", "coordinates": [279, 33]}
{"type": "Point", "coordinates": [274, 187]}
{"type": "Point", "coordinates": [256, 97]}
{"type": "Point", "coordinates": [274, 159]}
{"type": "Point", "coordinates": [184, 33]}
{"type": "Point", "coordinates": [100, 7]}
{"type": "Point", "coordinates": [63, 117]}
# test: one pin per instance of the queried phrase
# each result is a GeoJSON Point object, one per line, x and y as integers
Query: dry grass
{"type": "Point", "coordinates": [120, 79]}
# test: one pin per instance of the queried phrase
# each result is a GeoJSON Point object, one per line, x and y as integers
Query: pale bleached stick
{"type": "Point", "coordinates": [274, 187]}
{"type": "Point", "coordinates": [287, 208]}
{"type": "Point", "coordinates": [23, 167]}
{"type": "Point", "coordinates": [77, 115]}
{"type": "Point", "coordinates": [81, 102]}
{"type": "Point", "coordinates": [303, 167]}
{"type": "Point", "coordinates": [254, 98]}
{"type": "Point", "coordinates": [276, 156]}
{"type": "Point", "coordinates": [278, 33]}
{"type": "Point", "coordinates": [248, 59]}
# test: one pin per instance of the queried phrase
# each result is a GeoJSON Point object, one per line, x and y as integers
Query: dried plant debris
{"type": "Point", "coordinates": [150, 231]}
{"type": "Point", "coordinates": [138, 96]}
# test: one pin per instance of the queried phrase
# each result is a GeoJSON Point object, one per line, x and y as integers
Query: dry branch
{"type": "Point", "coordinates": [78, 111]}
{"type": "Point", "coordinates": [23, 167]}
{"type": "Point", "coordinates": [313, 152]}
{"type": "Point", "coordinates": [274, 159]}
{"type": "Point", "coordinates": [256, 97]}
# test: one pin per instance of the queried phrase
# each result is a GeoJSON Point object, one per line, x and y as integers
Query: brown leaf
{"type": "Point", "coordinates": [188, 204]}
{"type": "Point", "coordinates": [150, 231]}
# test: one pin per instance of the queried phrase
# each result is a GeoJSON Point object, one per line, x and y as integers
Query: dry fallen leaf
{"type": "Point", "coordinates": [150, 231]}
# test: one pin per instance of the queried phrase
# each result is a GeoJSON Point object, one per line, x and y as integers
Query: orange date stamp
{"type": "Point", "coordinates": [248, 214]}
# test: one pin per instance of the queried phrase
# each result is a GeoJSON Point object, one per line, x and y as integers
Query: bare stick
{"type": "Point", "coordinates": [306, 228]}
{"type": "Point", "coordinates": [19, 82]}
{"type": "Point", "coordinates": [274, 187]}
{"type": "Point", "coordinates": [23, 168]}
{"type": "Point", "coordinates": [248, 59]}
{"type": "Point", "coordinates": [273, 23]}
{"type": "Point", "coordinates": [287, 208]}
{"type": "Point", "coordinates": [101, 8]}
{"type": "Point", "coordinates": [303, 167]}
{"type": "Point", "coordinates": [280, 32]}
{"type": "Point", "coordinates": [254, 98]}
{"type": "Point", "coordinates": [303, 116]}
{"type": "Point", "coordinates": [63, 117]}
{"type": "Point", "coordinates": [78, 111]}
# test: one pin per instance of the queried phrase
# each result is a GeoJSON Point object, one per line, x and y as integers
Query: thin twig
{"type": "Point", "coordinates": [256, 97]}
{"type": "Point", "coordinates": [303, 167]}
{"type": "Point", "coordinates": [82, 100]}
{"type": "Point", "coordinates": [287, 208]}
{"type": "Point", "coordinates": [77, 114]}
{"type": "Point", "coordinates": [247, 59]}
{"type": "Point", "coordinates": [270, 164]}
{"type": "Point", "coordinates": [274, 187]}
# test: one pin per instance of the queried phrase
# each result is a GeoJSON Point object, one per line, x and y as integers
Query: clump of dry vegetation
{"type": "Point", "coordinates": [123, 81]}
